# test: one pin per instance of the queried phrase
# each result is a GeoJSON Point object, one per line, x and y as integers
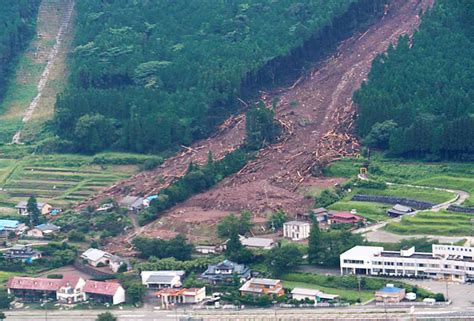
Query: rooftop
{"type": "Point", "coordinates": [103, 288]}
{"type": "Point", "coordinates": [416, 255]}
{"type": "Point", "coordinates": [300, 223]}
{"type": "Point", "coordinates": [8, 224]}
{"type": "Point", "coordinates": [24, 204]}
{"type": "Point", "coordinates": [390, 289]}
{"type": "Point", "coordinates": [48, 227]}
{"type": "Point", "coordinates": [257, 242]}
{"type": "Point", "coordinates": [41, 284]}
{"type": "Point", "coordinates": [94, 254]}
{"type": "Point", "coordinates": [261, 281]}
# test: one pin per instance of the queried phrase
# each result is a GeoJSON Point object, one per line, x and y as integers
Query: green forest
{"type": "Point", "coordinates": [148, 76]}
{"type": "Point", "coordinates": [17, 26]}
{"type": "Point", "coordinates": [419, 98]}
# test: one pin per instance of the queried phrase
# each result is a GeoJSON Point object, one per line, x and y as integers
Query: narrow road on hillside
{"type": "Point", "coordinates": [50, 61]}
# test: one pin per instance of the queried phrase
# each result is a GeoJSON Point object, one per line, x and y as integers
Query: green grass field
{"type": "Point", "coordinates": [433, 223]}
{"type": "Point", "coordinates": [372, 211]}
{"type": "Point", "coordinates": [345, 294]}
{"type": "Point", "coordinates": [444, 175]}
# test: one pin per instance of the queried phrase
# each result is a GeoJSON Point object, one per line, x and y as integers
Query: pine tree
{"type": "Point", "coordinates": [33, 211]}
{"type": "Point", "coordinates": [314, 244]}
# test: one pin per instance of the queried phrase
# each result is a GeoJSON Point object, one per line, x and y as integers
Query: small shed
{"type": "Point", "coordinates": [399, 210]}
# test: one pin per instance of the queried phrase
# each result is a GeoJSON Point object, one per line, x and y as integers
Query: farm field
{"type": "Point", "coordinates": [61, 179]}
{"type": "Point", "coordinates": [433, 223]}
{"type": "Point", "coordinates": [449, 175]}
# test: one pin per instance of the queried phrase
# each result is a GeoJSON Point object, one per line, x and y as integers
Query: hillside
{"type": "Point", "coordinates": [17, 27]}
{"type": "Point", "coordinates": [419, 97]}
{"type": "Point", "coordinates": [148, 76]}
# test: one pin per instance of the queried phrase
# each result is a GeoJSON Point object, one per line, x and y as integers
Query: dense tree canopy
{"type": "Point", "coordinates": [164, 73]}
{"type": "Point", "coordinates": [17, 26]}
{"type": "Point", "coordinates": [419, 99]}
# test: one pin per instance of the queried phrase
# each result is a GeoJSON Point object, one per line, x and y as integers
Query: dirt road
{"type": "Point", "coordinates": [318, 114]}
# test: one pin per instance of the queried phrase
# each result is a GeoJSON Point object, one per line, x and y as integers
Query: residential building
{"type": "Point", "coordinates": [312, 294]}
{"type": "Point", "coordinates": [344, 218]}
{"type": "Point", "coordinates": [450, 262]}
{"type": "Point", "coordinates": [226, 271]}
{"type": "Point", "coordinates": [320, 214]}
{"type": "Point", "coordinates": [66, 290]}
{"type": "Point", "coordinates": [7, 226]}
{"type": "Point", "coordinates": [147, 200]}
{"type": "Point", "coordinates": [22, 209]}
{"type": "Point", "coordinates": [296, 230]}
{"type": "Point", "coordinates": [43, 230]}
{"type": "Point", "coordinates": [181, 296]}
{"type": "Point", "coordinates": [390, 294]}
{"type": "Point", "coordinates": [99, 258]}
{"type": "Point", "coordinates": [258, 287]}
{"type": "Point", "coordinates": [104, 292]}
{"type": "Point", "coordinates": [22, 252]}
{"type": "Point", "coordinates": [132, 203]}
{"type": "Point", "coordinates": [162, 279]}
{"type": "Point", "coordinates": [257, 243]}
{"type": "Point", "coordinates": [399, 210]}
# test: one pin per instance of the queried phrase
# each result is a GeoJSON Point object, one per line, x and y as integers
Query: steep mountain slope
{"type": "Point", "coordinates": [318, 125]}
{"type": "Point", "coordinates": [419, 99]}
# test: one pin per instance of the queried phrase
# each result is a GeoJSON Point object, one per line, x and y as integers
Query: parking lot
{"type": "Point", "coordinates": [462, 295]}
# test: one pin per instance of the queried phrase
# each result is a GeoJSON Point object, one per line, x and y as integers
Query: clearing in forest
{"type": "Point", "coordinates": [31, 75]}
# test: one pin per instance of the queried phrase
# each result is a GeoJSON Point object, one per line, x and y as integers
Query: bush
{"type": "Point", "coordinates": [150, 164]}
{"type": "Point", "coordinates": [439, 297]}
{"type": "Point", "coordinates": [54, 276]}
{"type": "Point", "coordinates": [76, 236]}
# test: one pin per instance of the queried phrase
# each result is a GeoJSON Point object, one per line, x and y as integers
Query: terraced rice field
{"type": "Point", "coordinates": [59, 180]}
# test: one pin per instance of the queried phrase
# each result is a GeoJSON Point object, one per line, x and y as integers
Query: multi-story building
{"type": "Point", "coordinates": [450, 262]}
{"type": "Point", "coordinates": [296, 230]}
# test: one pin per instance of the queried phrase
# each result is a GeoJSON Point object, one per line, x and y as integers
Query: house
{"type": "Point", "coordinates": [116, 262]}
{"type": "Point", "coordinates": [390, 294]}
{"type": "Point", "coordinates": [296, 230]}
{"type": "Point", "coordinates": [446, 262]}
{"type": "Point", "coordinates": [132, 203]}
{"type": "Point", "coordinates": [257, 243]}
{"type": "Point", "coordinates": [399, 210]}
{"type": "Point", "coordinates": [181, 296]}
{"type": "Point", "coordinates": [226, 271]}
{"type": "Point", "coordinates": [105, 207]}
{"type": "Point", "coordinates": [162, 279]}
{"type": "Point", "coordinates": [345, 218]}
{"type": "Point", "coordinates": [104, 292]}
{"type": "Point", "coordinates": [22, 252]}
{"type": "Point", "coordinates": [96, 257]}
{"type": "Point", "coordinates": [320, 214]}
{"type": "Point", "coordinates": [301, 294]}
{"type": "Point", "coordinates": [43, 230]}
{"type": "Point", "coordinates": [21, 208]}
{"type": "Point", "coordinates": [65, 290]}
{"type": "Point", "coordinates": [48, 228]}
{"type": "Point", "coordinates": [7, 226]}
{"type": "Point", "coordinates": [208, 249]}
{"type": "Point", "coordinates": [259, 287]}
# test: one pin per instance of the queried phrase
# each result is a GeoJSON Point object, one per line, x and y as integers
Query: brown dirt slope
{"type": "Point", "coordinates": [317, 114]}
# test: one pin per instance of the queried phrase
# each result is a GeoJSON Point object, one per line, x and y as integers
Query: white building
{"type": "Point", "coordinates": [162, 279]}
{"type": "Point", "coordinates": [96, 257]}
{"type": "Point", "coordinates": [296, 230]}
{"type": "Point", "coordinates": [170, 296]}
{"type": "Point", "coordinates": [312, 294]}
{"type": "Point", "coordinates": [104, 292]}
{"type": "Point", "coordinates": [451, 262]}
{"type": "Point", "coordinates": [257, 242]}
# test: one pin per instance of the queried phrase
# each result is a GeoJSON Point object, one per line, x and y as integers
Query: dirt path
{"type": "Point", "coordinates": [318, 115]}
{"type": "Point", "coordinates": [50, 59]}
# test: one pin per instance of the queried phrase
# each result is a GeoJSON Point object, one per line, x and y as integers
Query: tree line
{"type": "Point", "coordinates": [147, 76]}
{"type": "Point", "coordinates": [17, 27]}
{"type": "Point", "coordinates": [419, 98]}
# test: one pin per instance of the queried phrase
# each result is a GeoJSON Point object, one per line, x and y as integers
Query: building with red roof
{"type": "Point", "coordinates": [344, 218]}
{"type": "Point", "coordinates": [181, 296]}
{"type": "Point", "coordinates": [66, 290]}
{"type": "Point", "coordinates": [104, 292]}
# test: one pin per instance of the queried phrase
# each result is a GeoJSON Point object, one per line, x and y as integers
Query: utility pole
{"type": "Point", "coordinates": [447, 293]}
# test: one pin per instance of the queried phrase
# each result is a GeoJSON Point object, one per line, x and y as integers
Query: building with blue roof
{"type": "Point", "coordinates": [390, 294]}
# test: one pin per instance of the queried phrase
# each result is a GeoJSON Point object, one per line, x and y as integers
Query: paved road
{"type": "Point", "coordinates": [365, 313]}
